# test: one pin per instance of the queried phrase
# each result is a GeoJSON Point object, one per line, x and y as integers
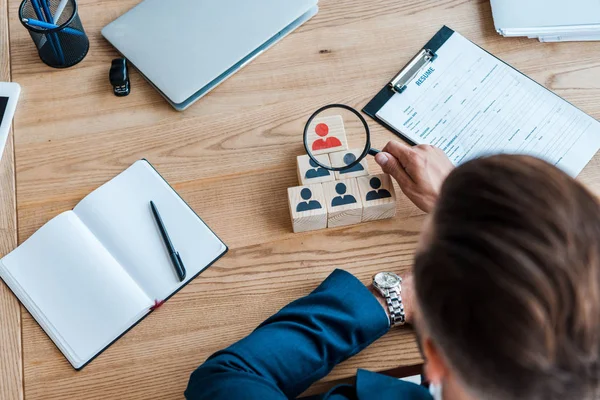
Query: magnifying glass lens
{"type": "Point", "coordinates": [337, 139]}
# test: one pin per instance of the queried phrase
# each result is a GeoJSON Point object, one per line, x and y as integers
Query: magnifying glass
{"type": "Point", "coordinates": [337, 138]}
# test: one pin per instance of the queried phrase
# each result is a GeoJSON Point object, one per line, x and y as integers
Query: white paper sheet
{"type": "Point", "coordinates": [524, 14]}
{"type": "Point", "coordinates": [119, 214]}
{"type": "Point", "coordinates": [473, 104]}
{"type": "Point", "coordinates": [74, 288]}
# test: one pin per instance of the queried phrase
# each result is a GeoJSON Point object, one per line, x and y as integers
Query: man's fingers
{"type": "Point", "coordinates": [401, 151]}
{"type": "Point", "coordinates": [390, 165]}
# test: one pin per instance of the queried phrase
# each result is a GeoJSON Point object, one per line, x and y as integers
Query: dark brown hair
{"type": "Point", "coordinates": [509, 281]}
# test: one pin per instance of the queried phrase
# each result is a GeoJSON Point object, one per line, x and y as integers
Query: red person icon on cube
{"type": "Point", "coordinates": [325, 143]}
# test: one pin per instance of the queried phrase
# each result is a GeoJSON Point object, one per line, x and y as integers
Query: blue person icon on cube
{"type": "Point", "coordinates": [307, 204]}
{"type": "Point", "coordinates": [343, 198]}
{"type": "Point", "coordinates": [342, 159]}
{"type": "Point", "coordinates": [377, 193]}
{"type": "Point", "coordinates": [316, 172]}
{"type": "Point", "coordinates": [344, 202]}
{"type": "Point", "coordinates": [349, 158]}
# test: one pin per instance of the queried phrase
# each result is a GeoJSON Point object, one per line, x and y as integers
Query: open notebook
{"type": "Point", "coordinates": [91, 274]}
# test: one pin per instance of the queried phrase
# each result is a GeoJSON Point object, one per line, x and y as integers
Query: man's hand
{"type": "Point", "coordinates": [420, 171]}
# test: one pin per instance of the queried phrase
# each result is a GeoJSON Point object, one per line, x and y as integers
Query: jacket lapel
{"type": "Point", "coordinates": [372, 386]}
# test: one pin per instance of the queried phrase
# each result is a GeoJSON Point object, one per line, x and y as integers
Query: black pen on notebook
{"type": "Point", "coordinates": [175, 258]}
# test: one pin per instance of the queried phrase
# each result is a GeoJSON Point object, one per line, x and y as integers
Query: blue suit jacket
{"type": "Point", "coordinates": [300, 345]}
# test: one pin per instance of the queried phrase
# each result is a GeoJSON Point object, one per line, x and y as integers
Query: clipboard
{"type": "Point", "coordinates": [411, 70]}
{"type": "Point", "coordinates": [459, 97]}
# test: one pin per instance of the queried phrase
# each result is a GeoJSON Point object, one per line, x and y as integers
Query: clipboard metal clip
{"type": "Point", "coordinates": [414, 68]}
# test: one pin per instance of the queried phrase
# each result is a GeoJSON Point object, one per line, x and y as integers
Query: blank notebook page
{"type": "Point", "coordinates": [74, 288]}
{"type": "Point", "coordinates": [119, 214]}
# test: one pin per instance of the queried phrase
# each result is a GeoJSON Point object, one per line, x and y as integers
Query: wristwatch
{"type": "Point", "coordinates": [389, 285]}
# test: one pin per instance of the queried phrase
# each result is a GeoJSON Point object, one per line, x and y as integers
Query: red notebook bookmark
{"type": "Point", "coordinates": [157, 304]}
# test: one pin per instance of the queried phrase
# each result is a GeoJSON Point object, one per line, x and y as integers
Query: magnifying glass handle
{"type": "Point", "coordinates": [374, 152]}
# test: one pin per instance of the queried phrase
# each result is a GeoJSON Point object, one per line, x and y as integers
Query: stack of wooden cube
{"type": "Point", "coordinates": [327, 199]}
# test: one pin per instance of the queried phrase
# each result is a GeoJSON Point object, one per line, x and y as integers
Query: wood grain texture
{"type": "Point", "coordinates": [232, 156]}
{"type": "Point", "coordinates": [308, 174]}
{"type": "Point", "coordinates": [11, 356]}
{"type": "Point", "coordinates": [326, 135]}
{"type": "Point", "coordinates": [344, 206]}
{"type": "Point", "coordinates": [373, 191]}
{"type": "Point", "coordinates": [308, 209]}
{"type": "Point", "coordinates": [347, 157]}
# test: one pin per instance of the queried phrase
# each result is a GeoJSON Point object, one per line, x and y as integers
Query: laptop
{"type": "Point", "coordinates": [186, 48]}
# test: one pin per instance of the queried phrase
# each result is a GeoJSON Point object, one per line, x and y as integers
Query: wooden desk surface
{"type": "Point", "coordinates": [231, 156]}
{"type": "Point", "coordinates": [11, 367]}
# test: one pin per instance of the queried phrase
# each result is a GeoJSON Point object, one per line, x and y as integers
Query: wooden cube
{"type": "Point", "coordinates": [327, 135]}
{"type": "Point", "coordinates": [344, 205]}
{"type": "Point", "coordinates": [309, 172]}
{"type": "Point", "coordinates": [308, 208]}
{"type": "Point", "coordinates": [347, 157]}
{"type": "Point", "coordinates": [378, 197]}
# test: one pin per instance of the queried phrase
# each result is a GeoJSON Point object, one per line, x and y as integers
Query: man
{"type": "Point", "coordinates": [506, 295]}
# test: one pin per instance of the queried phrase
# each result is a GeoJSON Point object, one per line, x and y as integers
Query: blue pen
{"type": "Point", "coordinates": [45, 25]}
{"type": "Point", "coordinates": [49, 18]}
{"type": "Point", "coordinates": [38, 12]}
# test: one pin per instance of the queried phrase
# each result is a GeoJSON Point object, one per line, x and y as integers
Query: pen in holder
{"type": "Point", "coordinates": [56, 30]}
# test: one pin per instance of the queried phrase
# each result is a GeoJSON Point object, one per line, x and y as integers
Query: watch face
{"type": "Point", "coordinates": [387, 280]}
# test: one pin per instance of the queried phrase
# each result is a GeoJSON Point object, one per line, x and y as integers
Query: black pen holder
{"type": "Point", "coordinates": [56, 30]}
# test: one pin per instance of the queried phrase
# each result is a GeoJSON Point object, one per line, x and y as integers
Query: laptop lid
{"type": "Point", "coordinates": [183, 45]}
